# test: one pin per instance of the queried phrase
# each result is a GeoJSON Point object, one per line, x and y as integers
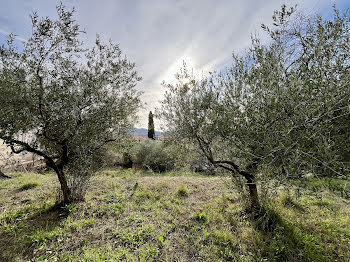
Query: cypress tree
{"type": "Point", "coordinates": [150, 126]}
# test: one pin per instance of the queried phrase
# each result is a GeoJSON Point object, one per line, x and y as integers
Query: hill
{"type": "Point", "coordinates": [138, 216]}
{"type": "Point", "coordinates": [144, 132]}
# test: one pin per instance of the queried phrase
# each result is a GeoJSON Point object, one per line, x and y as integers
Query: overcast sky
{"type": "Point", "coordinates": [159, 34]}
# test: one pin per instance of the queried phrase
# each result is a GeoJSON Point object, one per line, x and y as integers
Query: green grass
{"type": "Point", "coordinates": [135, 216]}
{"type": "Point", "coordinates": [29, 186]}
{"type": "Point", "coordinates": [340, 187]}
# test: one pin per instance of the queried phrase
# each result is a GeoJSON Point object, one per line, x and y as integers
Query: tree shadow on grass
{"type": "Point", "coordinates": [24, 233]}
{"type": "Point", "coordinates": [285, 241]}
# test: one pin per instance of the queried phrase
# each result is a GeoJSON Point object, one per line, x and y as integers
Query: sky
{"type": "Point", "coordinates": [158, 35]}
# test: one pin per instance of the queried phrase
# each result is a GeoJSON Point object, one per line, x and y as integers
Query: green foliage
{"type": "Point", "coordinates": [287, 237]}
{"type": "Point", "coordinates": [280, 110]}
{"type": "Point", "coordinates": [182, 191]}
{"type": "Point", "coordinates": [150, 126]}
{"type": "Point", "coordinates": [340, 187]}
{"type": "Point", "coordinates": [127, 160]}
{"type": "Point", "coordinates": [70, 208]}
{"type": "Point", "coordinates": [200, 217]}
{"type": "Point", "coordinates": [149, 252]}
{"type": "Point", "coordinates": [43, 78]}
{"type": "Point", "coordinates": [91, 254]}
{"type": "Point", "coordinates": [29, 186]}
{"type": "Point", "coordinates": [155, 156]}
{"type": "Point", "coordinates": [41, 236]}
{"type": "Point", "coordinates": [288, 201]}
{"type": "Point", "coordinates": [135, 239]}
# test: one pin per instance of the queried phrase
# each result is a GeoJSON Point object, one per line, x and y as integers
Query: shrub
{"type": "Point", "coordinates": [155, 155]}
{"type": "Point", "coordinates": [182, 191]}
{"type": "Point", "coordinates": [127, 161]}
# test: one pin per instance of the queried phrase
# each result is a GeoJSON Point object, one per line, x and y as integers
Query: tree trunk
{"type": "Point", "coordinates": [67, 194]}
{"type": "Point", "coordinates": [253, 194]}
{"type": "Point", "coordinates": [253, 190]}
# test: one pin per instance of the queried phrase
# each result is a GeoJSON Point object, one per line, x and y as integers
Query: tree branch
{"type": "Point", "coordinates": [26, 147]}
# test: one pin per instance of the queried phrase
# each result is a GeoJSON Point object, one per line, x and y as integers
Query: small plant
{"type": "Point", "coordinates": [41, 236]}
{"type": "Point", "coordinates": [321, 203]}
{"type": "Point", "coordinates": [29, 186]}
{"type": "Point", "coordinates": [136, 239]}
{"type": "Point", "coordinates": [182, 191]}
{"type": "Point", "coordinates": [201, 217]}
{"type": "Point", "coordinates": [161, 241]}
{"type": "Point", "coordinates": [70, 208]}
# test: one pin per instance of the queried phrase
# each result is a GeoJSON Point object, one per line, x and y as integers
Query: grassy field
{"type": "Point", "coordinates": [133, 216]}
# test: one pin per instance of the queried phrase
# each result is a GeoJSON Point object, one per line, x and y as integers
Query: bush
{"type": "Point", "coordinates": [127, 161]}
{"type": "Point", "coordinates": [156, 156]}
{"type": "Point", "coordinates": [182, 191]}
{"type": "Point", "coordinates": [164, 156]}
{"type": "Point", "coordinates": [200, 164]}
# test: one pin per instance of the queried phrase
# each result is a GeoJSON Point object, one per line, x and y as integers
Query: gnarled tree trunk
{"type": "Point", "coordinates": [67, 194]}
{"type": "Point", "coordinates": [234, 168]}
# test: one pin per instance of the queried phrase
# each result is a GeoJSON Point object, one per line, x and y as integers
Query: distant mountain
{"type": "Point", "coordinates": [144, 132]}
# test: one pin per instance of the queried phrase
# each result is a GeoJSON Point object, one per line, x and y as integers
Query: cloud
{"type": "Point", "coordinates": [157, 34]}
{"type": "Point", "coordinates": [6, 34]}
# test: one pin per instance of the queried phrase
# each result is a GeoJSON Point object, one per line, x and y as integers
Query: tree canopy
{"type": "Point", "coordinates": [71, 100]}
{"type": "Point", "coordinates": [282, 108]}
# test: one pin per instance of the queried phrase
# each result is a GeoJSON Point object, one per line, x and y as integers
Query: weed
{"type": "Point", "coordinates": [149, 252]}
{"type": "Point", "coordinates": [161, 240]}
{"type": "Point", "coordinates": [182, 191]}
{"type": "Point", "coordinates": [135, 239]}
{"type": "Point", "coordinates": [70, 208]}
{"type": "Point", "coordinates": [155, 225]}
{"type": "Point", "coordinates": [29, 186]}
{"type": "Point", "coordinates": [321, 203]}
{"type": "Point", "coordinates": [200, 217]}
{"type": "Point", "coordinates": [41, 236]}
{"type": "Point", "coordinates": [91, 254]}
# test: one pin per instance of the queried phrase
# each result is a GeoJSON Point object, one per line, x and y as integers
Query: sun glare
{"type": "Point", "coordinates": [169, 76]}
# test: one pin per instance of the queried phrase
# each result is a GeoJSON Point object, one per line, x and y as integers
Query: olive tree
{"type": "Point", "coordinates": [69, 100]}
{"type": "Point", "coordinates": [281, 108]}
